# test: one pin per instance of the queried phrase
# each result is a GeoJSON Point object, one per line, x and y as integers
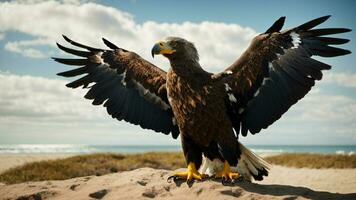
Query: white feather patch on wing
{"type": "Point", "coordinates": [232, 98]}
{"type": "Point", "coordinates": [227, 87]}
{"type": "Point", "coordinates": [99, 55]}
{"type": "Point", "coordinates": [270, 68]}
{"type": "Point", "coordinates": [295, 39]}
{"type": "Point", "coordinates": [123, 82]}
{"type": "Point", "coordinates": [228, 72]}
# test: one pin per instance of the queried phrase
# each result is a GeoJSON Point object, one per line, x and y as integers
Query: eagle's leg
{"type": "Point", "coordinates": [193, 156]}
{"type": "Point", "coordinates": [226, 173]}
{"type": "Point", "coordinates": [230, 151]}
{"type": "Point", "coordinates": [191, 174]}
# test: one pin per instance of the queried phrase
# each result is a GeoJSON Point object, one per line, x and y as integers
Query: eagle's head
{"type": "Point", "coordinates": [176, 48]}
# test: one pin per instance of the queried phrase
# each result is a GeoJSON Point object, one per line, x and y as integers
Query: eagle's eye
{"type": "Point", "coordinates": [173, 43]}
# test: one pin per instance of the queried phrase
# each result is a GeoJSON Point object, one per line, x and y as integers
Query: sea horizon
{"type": "Point", "coordinates": [110, 148]}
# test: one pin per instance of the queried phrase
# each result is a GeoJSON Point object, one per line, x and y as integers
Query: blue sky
{"type": "Point", "coordinates": [35, 106]}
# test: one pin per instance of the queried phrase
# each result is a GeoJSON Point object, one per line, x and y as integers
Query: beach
{"type": "Point", "coordinates": [143, 183]}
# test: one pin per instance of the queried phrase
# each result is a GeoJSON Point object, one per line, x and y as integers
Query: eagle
{"type": "Point", "coordinates": [208, 111]}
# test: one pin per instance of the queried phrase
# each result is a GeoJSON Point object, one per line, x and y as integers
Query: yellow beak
{"type": "Point", "coordinates": [162, 48]}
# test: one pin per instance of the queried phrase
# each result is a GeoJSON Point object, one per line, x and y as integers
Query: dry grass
{"type": "Point", "coordinates": [92, 164]}
{"type": "Point", "coordinates": [100, 164]}
{"type": "Point", "coordinates": [316, 161]}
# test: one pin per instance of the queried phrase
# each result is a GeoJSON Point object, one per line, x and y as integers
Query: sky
{"type": "Point", "coordinates": [37, 108]}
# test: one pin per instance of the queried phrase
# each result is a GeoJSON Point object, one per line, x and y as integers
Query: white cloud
{"type": "Point", "coordinates": [319, 107]}
{"type": "Point", "coordinates": [341, 79]}
{"type": "Point", "coordinates": [22, 47]}
{"type": "Point", "coordinates": [2, 36]}
{"type": "Point", "coordinates": [33, 99]}
{"type": "Point", "coordinates": [219, 44]}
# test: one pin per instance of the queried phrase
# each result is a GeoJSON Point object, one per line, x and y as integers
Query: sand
{"type": "Point", "coordinates": [145, 183]}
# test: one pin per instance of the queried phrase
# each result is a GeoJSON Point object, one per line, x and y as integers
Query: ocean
{"type": "Point", "coordinates": [77, 149]}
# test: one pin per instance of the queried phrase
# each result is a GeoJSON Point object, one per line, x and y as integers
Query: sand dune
{"type": "Point", "coordinates": [145, 183]}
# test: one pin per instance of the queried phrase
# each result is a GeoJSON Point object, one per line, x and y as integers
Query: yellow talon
{"type": "Point", "coordinates": [192, 173]}
{"type": "Point", "coordinates": [226, 173]}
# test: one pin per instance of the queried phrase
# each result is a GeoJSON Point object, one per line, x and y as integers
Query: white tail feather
{"type": "Point", "coordinates": [249, 165]}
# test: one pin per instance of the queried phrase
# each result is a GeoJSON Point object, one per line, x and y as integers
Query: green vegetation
{"type": "Point", "coordinates": [90, 164]}
{"type": "Point", "coordinates": [316, 161]}
{"type": "Point", "coordinates": [100, 164]}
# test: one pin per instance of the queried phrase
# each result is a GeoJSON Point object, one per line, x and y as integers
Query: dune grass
{"type": "Point", "coordinates": [316, 161]}
{"type": "Point", "coordinates": [104, 163]}
{"type": "Point", "coordinates": [90, 164]}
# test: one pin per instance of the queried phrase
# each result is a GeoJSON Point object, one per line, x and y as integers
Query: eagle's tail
{"type": "Point", "coordinates": [249, 165]}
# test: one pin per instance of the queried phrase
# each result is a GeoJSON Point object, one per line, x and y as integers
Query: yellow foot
{"type": "Point", "coordinates": [226, 173]}
{"type": "Point", "coordinates": [190, 175]}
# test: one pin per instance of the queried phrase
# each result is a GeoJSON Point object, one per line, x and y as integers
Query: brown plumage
{"type": "Point", "coordinates": [208, 110]}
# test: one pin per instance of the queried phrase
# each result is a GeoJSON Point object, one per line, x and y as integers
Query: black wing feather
{"type": "Point", "coordinates": [75, 52]}
{"type": "Point", "coordinates": [81, 45]}
{"type": "Point", "coordinates": [327, 31]}
{"type": "Point", "coordinates": [86, 80]}
{"type": "Point", "coordinates": [74, 72]}
{"type": "Point", "coordinates": [109, 44]}
{"type": "Point", "coordinates": [70, 61]}
{"type": "Point", "coordinates": [277, 26]}
{"type": "Point", "coordinates": [313, 23]}
{"type": "Point", "coordinates": [329, 40]}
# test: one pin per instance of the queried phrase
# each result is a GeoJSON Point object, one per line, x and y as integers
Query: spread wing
{"type": "Point", "coordinates": [131, 88]}
{"type": "Point", "coordinates": [276, 71]}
